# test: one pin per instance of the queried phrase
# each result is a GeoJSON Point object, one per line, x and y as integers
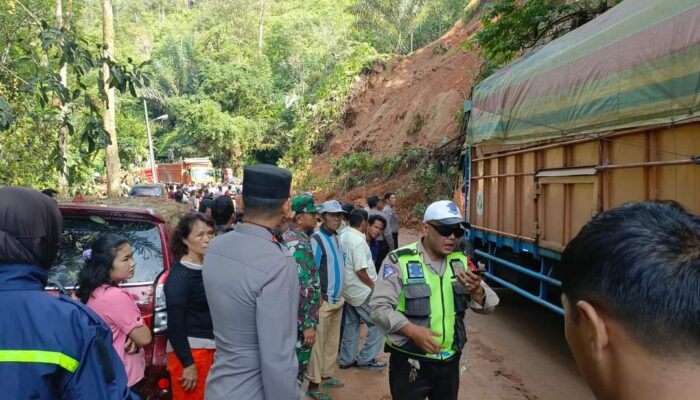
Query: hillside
{"type": "Point", "coordinates": [412, 104]}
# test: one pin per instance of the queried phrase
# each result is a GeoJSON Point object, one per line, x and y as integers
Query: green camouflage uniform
{"type": "Point", "coordinates": [309, 290]}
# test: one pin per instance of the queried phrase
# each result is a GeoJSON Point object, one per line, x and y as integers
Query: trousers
{"type": "Point", "coordinates": [436, 380]}
{"type": "Point", "coordinates": [203, 359]}
{"type": "Point", "coordinates": [351, 335]}
{"type": "Point", "coordinates": [324, 354]}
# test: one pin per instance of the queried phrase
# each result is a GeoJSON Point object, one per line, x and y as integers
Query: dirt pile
{"type": "Point", "coordinates": [412, 102]}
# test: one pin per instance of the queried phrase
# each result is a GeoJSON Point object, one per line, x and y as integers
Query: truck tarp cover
{"type": "Point", "coordinates": [636, 65]}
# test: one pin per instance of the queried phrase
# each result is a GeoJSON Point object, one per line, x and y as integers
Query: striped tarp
{"type": "Point", "coordinates": [636, 65]}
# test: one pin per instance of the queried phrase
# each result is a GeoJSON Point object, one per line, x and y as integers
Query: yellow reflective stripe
{"type": "Point", "coordinates": [40, 356]}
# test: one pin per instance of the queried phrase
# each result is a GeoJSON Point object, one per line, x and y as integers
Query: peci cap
{"type": "Point", "coordinates": [266, 182]}
{"type": "Point", "coordinates": [302, 204]}
{"type": "Point", "coordinates": [445, 212]}
{"type": "Point", "coordinates": [347, 207]}
{"type": "Point", "coordinates": [332, 207]}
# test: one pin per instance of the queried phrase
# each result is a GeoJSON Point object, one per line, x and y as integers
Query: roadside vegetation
{"type": "Point", "coordinates": [240, 81]}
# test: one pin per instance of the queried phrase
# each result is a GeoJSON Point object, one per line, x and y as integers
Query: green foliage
{"type": "Point", "coordinates": [401, 26]}
{"type": "Point", "coordinates": [511, 27]}
{"type": "Point", "coordinates": [436, 180]}
{"type": "Point", "coordinates": [227, 97]}
{"type": "Point", "coordinates": [472, 7]}
{"type": "Point", "coordinates": [360, 168]}
{"type": "Point", "coordinates": [416, 125]}
{"type": "Point", "coordinates": [29, 100]}
{"type": "Point", "coordinates": [419, 209]}
{"type": "Point", "coordinates": [355, 169]}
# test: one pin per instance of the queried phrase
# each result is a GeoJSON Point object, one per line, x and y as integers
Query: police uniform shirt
{"type": "Point", "coordinates": [253, 293]}
{"type": "Point", "coordinates": [388, 288]}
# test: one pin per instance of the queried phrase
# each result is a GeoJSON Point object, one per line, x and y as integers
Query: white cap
{"type": "Point", "coordinates": [332, 206]}
{"type": "Point", "coordinates": [445, 212]}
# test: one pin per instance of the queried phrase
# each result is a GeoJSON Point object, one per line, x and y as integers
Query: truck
{"type": "Point", "coordinates": [607, 114]}
{"type": "Point", "coordinates": [188, 171]}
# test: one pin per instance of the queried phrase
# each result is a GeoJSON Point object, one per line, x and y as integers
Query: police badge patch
{"type": "Point", "coordinates": [388, 271]}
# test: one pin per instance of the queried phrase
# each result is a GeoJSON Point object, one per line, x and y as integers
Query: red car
{"type": "Point", "coordinates": [148, 234]}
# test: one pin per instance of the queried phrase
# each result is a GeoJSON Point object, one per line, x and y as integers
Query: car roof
{"type": "Point", "coordinates": [147, 186]}
{"type": "Point", "coordinates": [146, 209]}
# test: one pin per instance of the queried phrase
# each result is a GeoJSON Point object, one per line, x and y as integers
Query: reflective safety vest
{"type": "Point", "coordinates": [433, 301]}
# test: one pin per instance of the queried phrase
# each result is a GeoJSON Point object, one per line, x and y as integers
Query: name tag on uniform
{"type": "Point", "coordinates": [415, 272]}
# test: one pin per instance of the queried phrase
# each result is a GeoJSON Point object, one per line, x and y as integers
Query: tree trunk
{"type": "Point", "coordinates": [261, 22]}
{"type": "Point", "coordinates": [109, 114]}
{"type": "Point", "coordinates": [63, 134]}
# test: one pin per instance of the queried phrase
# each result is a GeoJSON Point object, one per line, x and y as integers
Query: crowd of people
{"type": "Point", "coordinates": [260, 304]}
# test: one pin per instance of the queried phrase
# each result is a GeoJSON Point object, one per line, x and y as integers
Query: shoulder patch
{"type": "Point", "coordinates": [388, 271]}
{"type": "Point", "coordinates": [393, 258]}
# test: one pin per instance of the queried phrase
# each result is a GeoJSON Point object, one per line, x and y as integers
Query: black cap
{"type": "Point", "coordinates": [267, 182]}
{"type": "Point", "coordinates": [347, 207]}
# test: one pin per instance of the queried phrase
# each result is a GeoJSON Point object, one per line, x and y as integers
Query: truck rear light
{"type": "Point", "coordinates": [160, 314]}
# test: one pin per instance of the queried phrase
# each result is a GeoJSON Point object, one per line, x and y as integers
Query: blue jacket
{"type": "Point", "coordinates": [53, 347]}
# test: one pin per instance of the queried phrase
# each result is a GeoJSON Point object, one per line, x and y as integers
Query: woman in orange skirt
{"type": "Point", "coordinates": [190, 330]}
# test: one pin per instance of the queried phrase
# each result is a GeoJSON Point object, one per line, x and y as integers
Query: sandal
{"type": "Point", "coordinates": [332, 383]}
{"type": "Point", "coordinates": [318, 394]}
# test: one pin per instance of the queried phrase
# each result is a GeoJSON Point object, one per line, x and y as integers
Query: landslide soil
{"type": "Point", "coordinates": [412, 102]}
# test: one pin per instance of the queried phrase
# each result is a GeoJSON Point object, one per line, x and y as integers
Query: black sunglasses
{"type": "Point", "coordinates": [447, 230]}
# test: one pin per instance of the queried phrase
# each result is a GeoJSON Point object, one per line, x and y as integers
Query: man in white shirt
{"type": "Point", "coordinates": [360, 276]}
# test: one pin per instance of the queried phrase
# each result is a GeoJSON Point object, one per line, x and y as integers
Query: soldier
{"type": "Point", "coordinates": [420, 299]}
{"type": "Point", "coordinates": [297, 241]}
{"type": "Point", "coordinates": [251, 283]}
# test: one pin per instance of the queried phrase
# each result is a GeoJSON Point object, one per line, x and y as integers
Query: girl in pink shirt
{"type": "Point", "coordinates": [110, 262]}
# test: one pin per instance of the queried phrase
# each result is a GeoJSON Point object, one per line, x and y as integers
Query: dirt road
{"type": "Point", "coordinates": [518, 353]}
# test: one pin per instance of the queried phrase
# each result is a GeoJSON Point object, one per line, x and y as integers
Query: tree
{"type": "Point", "coordinates": [63, 133]}
{"type": "Point", "coordinates": [512, 27]}
{"type": "Point", "coordinates": [261, 21]}
{"type": "Point", "coordinates": [390, 21]}
{"type": "Point", "coordinates": [109, 113]}
{"type": "Point", "coordinates": [33, 93]}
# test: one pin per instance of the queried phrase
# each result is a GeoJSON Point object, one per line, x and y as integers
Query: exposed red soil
{"type": "Point", "coordinates": [414, 101]}
{"type": "Point", "coordinates": [431, 84]}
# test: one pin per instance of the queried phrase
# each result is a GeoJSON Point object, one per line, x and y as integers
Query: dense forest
{"type": "Point", "coordinates": [238, 81]}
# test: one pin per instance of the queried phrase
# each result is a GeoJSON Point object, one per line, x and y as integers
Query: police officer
{"type": "Point", "coordinates": [251, 283]}
{"type": "Point", "coordinates": [51, 347]}
{"type": "Point", "coordinates": [420, 299]}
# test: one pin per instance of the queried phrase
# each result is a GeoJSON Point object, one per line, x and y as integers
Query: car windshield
{"type": "Point", "coordinates": [150, 191]}
{"type": "Point", "coordinates": [202, 173]}
{"type": "Point", "coordinates": [80, 232]}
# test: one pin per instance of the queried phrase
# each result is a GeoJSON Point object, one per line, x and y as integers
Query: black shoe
{"type": "Point", "coordinates": [352, 364]}
{"type": "Point", "coordinates": [374, 365]}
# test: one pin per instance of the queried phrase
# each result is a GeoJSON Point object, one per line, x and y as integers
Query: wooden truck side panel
{"type": "Point", "coordinates": [545, 193]}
